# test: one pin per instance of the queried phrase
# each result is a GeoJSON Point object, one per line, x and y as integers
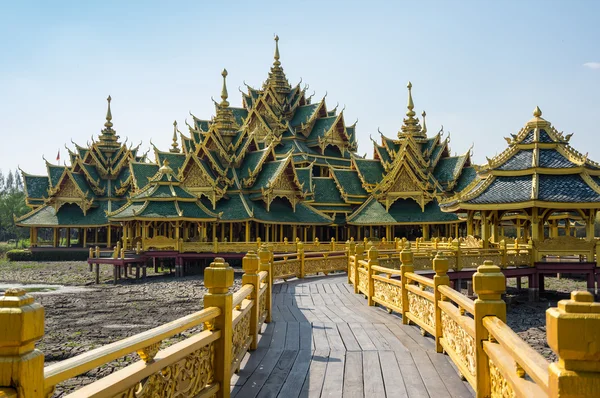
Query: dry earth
{"type": "Point", "coordinates": [101, 314]}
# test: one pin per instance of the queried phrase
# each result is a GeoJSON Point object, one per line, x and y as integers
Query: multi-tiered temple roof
{"type": "Point", "coordinates": [538, 169]}
{"type": "Point", "coordinates": [97, 181]}
{"type": "Point", "coordinates": [280, 158]}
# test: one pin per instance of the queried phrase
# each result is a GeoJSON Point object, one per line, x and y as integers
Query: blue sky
{"type": "Point", "coordinates": [478, 68]}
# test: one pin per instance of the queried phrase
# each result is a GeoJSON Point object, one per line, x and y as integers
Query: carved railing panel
{"type": "Point", "coordinates": [325, 264]}
{"type": "Point", "coordinates": [241, 338]}
{"type": "Point", "coordinates": [286, 267]}
{"type": "Point", "coordinates": [499, 386]}
{"type": "Point", "coordinates": [422, 309]}
{"type": "Point", "coordinates": [189, 377]}
{"type": "Point", "coordinates": [460, 342]}
{"type": "Point", "coordinates": [363, 280]}
{"type": "Point", "coordinates": [387, 293]}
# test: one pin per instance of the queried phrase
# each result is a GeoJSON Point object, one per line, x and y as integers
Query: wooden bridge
{"type": "Point", "coordinates": [325, 341]}
{"type": "Point", "coordinates": [414, 335]}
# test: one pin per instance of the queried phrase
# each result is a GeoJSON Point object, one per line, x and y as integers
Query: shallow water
{"type": "Point", "coordinates": [40, 288]}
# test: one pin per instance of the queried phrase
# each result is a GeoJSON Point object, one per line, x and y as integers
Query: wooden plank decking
{"type": "Point", "coordinates": [325, 341]}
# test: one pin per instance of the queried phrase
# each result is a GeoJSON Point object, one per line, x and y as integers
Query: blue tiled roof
{"type": "Point", "coordinates": [505, 190]}
{"type": "Point", "coordinates": [565, 188]}
{"type": "Point", "coordinates": [529, 138]}
{"type": "Point", "coordinates": [544, 137]}
{"type": "Point", "coordinates": [553, 159]}
{"type": "Point", "coordinates": [519, 161]}
{"type": "Point", "coordinates": [467, 175]}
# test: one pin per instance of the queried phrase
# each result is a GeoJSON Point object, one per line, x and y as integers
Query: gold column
{"type": "Point", "coordinates": [314, 232]}
{"type": "Point", "coordinates": [281, 233]}
{"type": "Point", "coordinates": [485, 229]}
{"type": "Point", "coordinates": [294, 232]}
{"type": "Point", "coordinates": [68, 240]}
{"type": "Point", "coordinates": [247, 232]}
{"type": "Point", "coordinates": [426, 232]}
{"type": "Point", "coordinates": [470, 224]}
{"type": "Point", "coordinates": [304, 231]}
{"type": "Point", "coordinates": [535, 225]}
{"type": "Point", "coordinates": [84, 237]}
{"type": "Point", "coordinates": [231, 232]}
{"type": "Point", "coordinates": [108, 240]}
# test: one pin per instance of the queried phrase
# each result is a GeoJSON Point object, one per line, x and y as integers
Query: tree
{"type": "Point", "coordinates": [12, 203]}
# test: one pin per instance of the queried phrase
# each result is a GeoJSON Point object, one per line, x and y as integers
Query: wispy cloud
{"type": "Point", "coordinates": [592, 65]}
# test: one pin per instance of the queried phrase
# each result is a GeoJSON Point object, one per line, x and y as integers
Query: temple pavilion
{"type": "Point", "coordinates": [539, 180]}
{"type": "Point", "coordinates": [279, 166]}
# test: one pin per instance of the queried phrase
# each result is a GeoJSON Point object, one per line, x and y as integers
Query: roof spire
{"type": "Point", "coordinates": [411, 105]}
{"type": "Point", "coordinates": [537, 112]}
{"type": "Point", "coordinates": [424, 129]}
{"type": "Point", "coordinates": [276, 63]}
{"type": "Point", "coordinates": [224, 103]}
{"type": "Point", "coordinates": [108, 123]}
{"type": "Point", "coordinates": [410, 123]}
{"type": "Point", "coordinates": [174, 145]}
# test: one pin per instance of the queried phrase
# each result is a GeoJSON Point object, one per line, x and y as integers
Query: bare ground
{"type": "Point", "coordinates": [101, 314]}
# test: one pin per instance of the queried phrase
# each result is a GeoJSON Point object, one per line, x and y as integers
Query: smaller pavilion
{"type": "Point", "coordinates": [538, 180]}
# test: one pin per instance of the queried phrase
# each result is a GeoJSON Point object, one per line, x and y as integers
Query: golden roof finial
{"type": "Point", "coordinates": [174, 145]}
{"type": "Point", "coordinates": [224, 94]}
{"type": "Point", "coordinates": [424, 128]}
{"type": "Point", "coordinates": [108, 123]}
{"type": "Point", "coordinates": [537, 112]}
{"type": "Point", "coordinates": [276, 63]}
{"type": "Point", "coordinates": [410, 105]}
{"type": "Point", "coordinates": [165, 168]}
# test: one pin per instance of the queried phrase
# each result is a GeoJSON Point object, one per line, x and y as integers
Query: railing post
{"type": "Point", "coordinates": [373, 254]}
{"type": "Point", "coordinates": [489, 284]}
{"type": "Point", "coordinates": [503, 252]}
{"type": "Point", "coordinates": [250, 266]}
{"type": "Point", "coordinates": [360, 255]}
{"type": "Point", "coordinates": [264, 257]}
{"type": "Point", "coordinates": [441, 278]}
{"type": "Point", "coordinates": [406, 257]}
{"type": "Point", "coordinates": [215, 245]}
{"type": "Point", "coordinates": [21, 364]}
{"type": "Point", "coordinates": [332, 244]}
{"type": "Point", "coordinates": [300, 251]}
{"type": "Point", "coordinates": [350, 251]}
{"type": "Point", "coordinates": [218, 278]}
{"type": "Point", "coordinates": [573, 333]}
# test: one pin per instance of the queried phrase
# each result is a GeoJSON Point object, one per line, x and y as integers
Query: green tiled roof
{"type": "Point", "coordinates": [175, 160]}
{"type": "Point", "coordinates": [68, 214]}
{"type": "Point", "coordinates": [55, 172]}
{"type": "Point", "coordinates": [326, 191]}
{"type": "Point", "coordinates": [240, 114]}
{"type": "Point", "coordinates": [142, 172]}
{"type": "Point", "coordinates": [163, 192]}
{"type": "Point", "coordinates": [448, 169]}
{"type": "Point", "coordinates": [303, 114]}
{"type": "Point", "coordinates": [82, 183]}
{"type": "Point", "coordinates": [233, 208]}
{"type": "Point", "coordinates": [91, 170]}
{"type": "Point", "coordinates": [36, 186]}
{"type": "Point", "coordinates": [331, 208]}
{"type": "Point", "coordinates": [385, 156]}
{"type": "Point", "coordinates": [468, 174]}
{"type": "Point", "coordinates": [437, 150]}
{"type": "Point", "coordinates": [370, 170]}
{"type": "Point", "coordinates": [268, 171]}
{"type": "Point", "coordinates": [429, 144]}
{"type": "Point", "coordinates": [349, 181]}
{"type": "Point", "coordinates": [167, 210]}
{"type": "Point", "coordinates": [251, 161]}
{"type": "Point", "coordinates": [202, 125]}
{"type": "Point", "coordinates": [281, 212]}
{"type": "Point", "coordinates": [403, 211]}
{"type": "Point", "coordinates": [320, 127]}
{"type": "Point", "coordinates": [305, 177]}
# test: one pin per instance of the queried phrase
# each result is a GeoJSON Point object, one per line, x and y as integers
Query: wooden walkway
{"type": "Point", "coordinates": [325, 341]}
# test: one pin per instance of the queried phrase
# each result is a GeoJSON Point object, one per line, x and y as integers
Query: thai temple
{"type": "Point", "coordinates": [284, 166]}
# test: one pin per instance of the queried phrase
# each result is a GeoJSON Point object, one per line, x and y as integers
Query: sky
{"type": "Point", "coordinates": [478, 68]}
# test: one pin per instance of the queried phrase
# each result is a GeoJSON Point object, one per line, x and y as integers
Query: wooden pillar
{"type": "Point", "coordinates": [518, 226]}
{"type": "Point", "coordinates": [485, 229]}
{"type": "Point", "coordinates": [470, 223]}
{"type": "Point", "coordinates": [304, 233]}
{"type": "Point", "coordinates": [68, 240]}
{"type": "Point", "coordinates": [589, 225]}
{"type": "Point", "coordinates": [281, 233]}
{"type": "Point", "coordinates": [426, 232]}
{"type": "Point", "coordinates": [535, 225]}
{"type": "Point", "coordinates": [84, 236]}
{"type": "Point", "coordinates": [456, 230]}
{"type": "Point", "coordinates": [247, 232]}
{"type": "Point", "coordinates": [231, 232]}
{"type": "Point", "coordinates": [314, 232]}
{"type": "Point", "coordinates": [294, 232]}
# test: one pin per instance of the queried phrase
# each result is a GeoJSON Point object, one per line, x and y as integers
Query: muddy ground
{"type": "Point", "coordinates": [101, 314]}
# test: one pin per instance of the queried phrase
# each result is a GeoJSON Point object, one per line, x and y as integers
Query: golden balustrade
{"type": "Point", "coordinates": [474, 334]}
{"type": "Point", "coordinates": [199, 366]}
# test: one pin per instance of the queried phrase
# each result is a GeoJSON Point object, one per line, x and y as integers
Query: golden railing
{"type": "Point", "coordinates": [474, 334]}
{"type": "Point", "coordinates": [197, 366]}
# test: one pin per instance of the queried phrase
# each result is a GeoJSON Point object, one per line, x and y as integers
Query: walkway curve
{"type": "Point", "coordinates": [325, 341]}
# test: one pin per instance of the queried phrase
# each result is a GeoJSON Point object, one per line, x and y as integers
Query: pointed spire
{"type": "Point", "coordinates": [411, 105]}
{"type": "Point", "coordinates": [537, 120]}
{"type": "Point", "coordinates": [276, 62]}
{"type": "Point", "coordinates": [411, 124]}
{"type": "Point", "coordinates": [424, 129]}
{"type": "Point", "coordinates": [537, 112]}
{"type": "Point", "coordinates": [108, 123]}
{"type": "Point", "coordinates": [174, 145]}
{"type": "Point", "coordinates": [224, 103]}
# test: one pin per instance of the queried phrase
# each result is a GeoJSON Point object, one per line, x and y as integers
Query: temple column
{"type": "Point", "coordinates": [553, 229]}
{"type": "Point", "coordinates": [536, 225]}
{"type": "Point", "coordinates": [68, 240]}
{"type": "Point", "coordinates": [314, 232]}
{"type": "Point", "coordinates": [518, 227]}
{"type": "Point", "coordinates": [304, 233]}
{"type": "Point", "coordinates": [222, 231]}
{"type": "Point", "coordinates": [247, 232]}
{"type": "Point", "coordinates": [176, 230]}
{"type": "Point", "coordinates": [281, 233]}
{"type": "Point", "coordinates": [267, 232]}
{"type": "Point", "coordinates": [589, 225]}
{"type": "Point", "coordinates": [294, 233]}
{"type": "Point", "coordinates": [425, 228]}
{"type": "Point", "coordinates": [485, 229]}
{"type": "Point", "coordinates": [108, 240]}
{"type": "Point", "coordinates": [33, 234]}
{"type": "Point", "coordinates": [84, 237]}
